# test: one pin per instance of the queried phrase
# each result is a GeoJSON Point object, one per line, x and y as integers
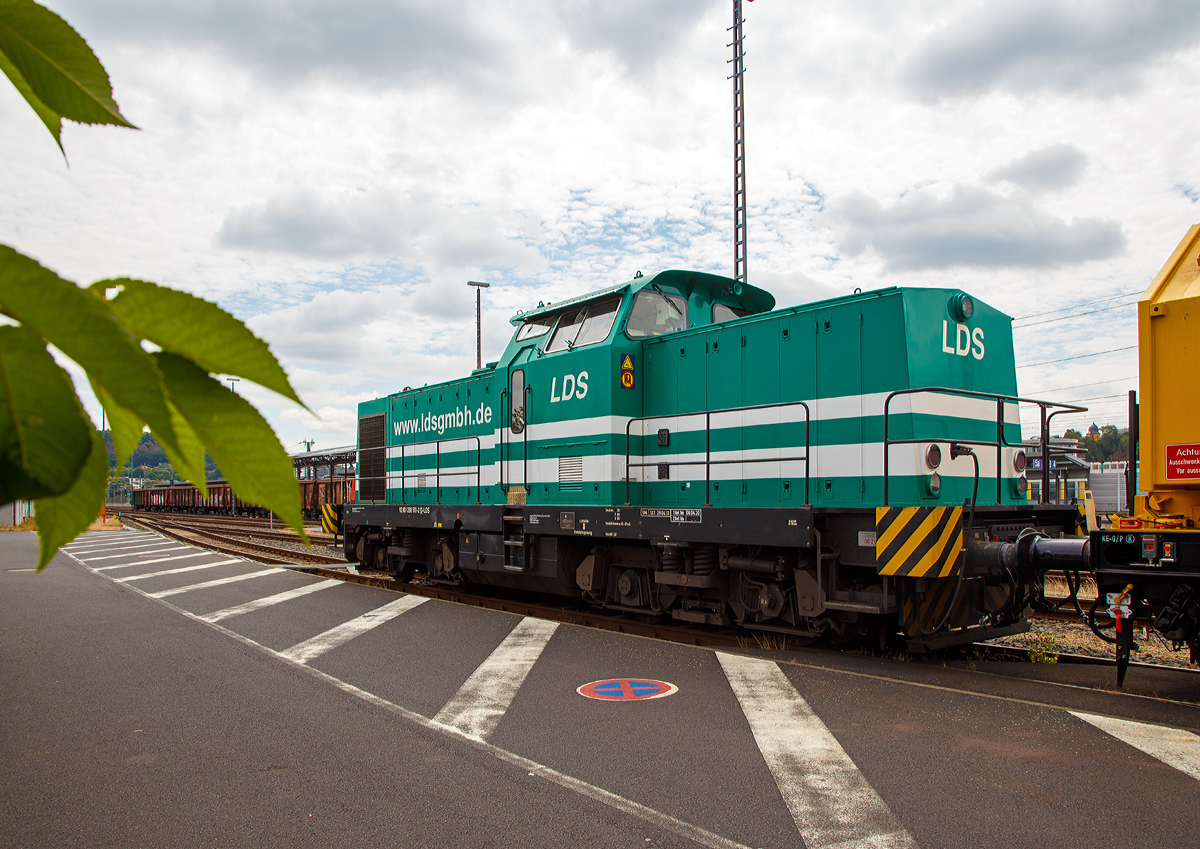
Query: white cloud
{"type": "Point", "coordinates": [1058, 166]}
{"type": "Point", "coordinates": [1099, 48]}
{"type": "Point", "coordinates": [969, 227]}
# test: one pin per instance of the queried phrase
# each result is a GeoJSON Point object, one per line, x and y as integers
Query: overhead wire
{"type": "Point", "coordinates": [1077, 306]}
{"type": "Point", "coordinates": [1082, 385]}
{"type": "Point", "coordinates": [1075, 315]}
{"type": "Point", "coordinates": [1078, 357]}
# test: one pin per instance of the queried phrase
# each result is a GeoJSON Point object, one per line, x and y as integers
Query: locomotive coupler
{"type": "Point", "coordinates": [1032, 554]}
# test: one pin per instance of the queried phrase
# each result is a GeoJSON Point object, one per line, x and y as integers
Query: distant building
{"type": "Point", "coordinates": [1069, 469]}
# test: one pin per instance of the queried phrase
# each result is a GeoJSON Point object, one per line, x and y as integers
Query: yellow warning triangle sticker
{"type": "Point", "coordinates": [627, 362]}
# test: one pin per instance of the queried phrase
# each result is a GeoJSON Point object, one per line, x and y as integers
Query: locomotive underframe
{"type": "Point", "coordinates": [803, 571]}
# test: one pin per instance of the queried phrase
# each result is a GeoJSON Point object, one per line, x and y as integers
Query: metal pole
{"type": "Point", "coordinates": [479, 287]}
{"type": "Point", "coordinates": [739, 147]}
{"type": "Point", "coordinates": [1131, 454]}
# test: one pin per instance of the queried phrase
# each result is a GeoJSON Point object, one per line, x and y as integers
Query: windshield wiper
{"type": "Point", "coordinates": [654, 286]}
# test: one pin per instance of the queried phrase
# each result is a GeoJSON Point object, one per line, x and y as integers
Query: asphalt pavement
{"type": "Point", "coordinates": [159, 695]}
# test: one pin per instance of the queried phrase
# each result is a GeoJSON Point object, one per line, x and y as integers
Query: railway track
{"type": "Point", "coordinates": [188, 533]}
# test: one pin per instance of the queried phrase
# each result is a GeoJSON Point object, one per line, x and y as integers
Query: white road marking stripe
{"type": "Point", "coordinates": [480, 703]}
{"type": "Point", "coordinates": [175, 571]}
{"type": "Point", "coordinates": [314, 647]}
{"type": "Point", "coordinates": [84, 542]}
{"type": "Point", "coordinates": [130, 546]}
{"type": "Point", "coordinates": [1172, 746]}
{"type": "Point", "coordinates": [133, 554]}
{"type": "Point", "coordinates": [830, 800]}
{"type": "Point", "coordinates": [218, 615]}
{"type": "Point", "coordinates": [218, 582]}
{"type": "Point", "coordinates": [156, 560]}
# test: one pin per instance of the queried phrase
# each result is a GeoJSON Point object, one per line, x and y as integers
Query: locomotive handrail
{"type": "Point", "coordinates": [999, 443]}
{"type": "Point", "coordinates": [438, 466]}
{"type": "Point", "coordinates": [708, 462]}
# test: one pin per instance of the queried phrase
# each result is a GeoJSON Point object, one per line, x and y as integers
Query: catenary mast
{"type": "Point", "coordinates": [739, 147]}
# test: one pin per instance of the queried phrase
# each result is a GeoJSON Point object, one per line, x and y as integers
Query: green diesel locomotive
{"type": "Point", "coordinates": [675, 446]}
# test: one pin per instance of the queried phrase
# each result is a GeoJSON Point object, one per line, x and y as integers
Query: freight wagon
{"type": "Point", "coordinates": [221, 500]}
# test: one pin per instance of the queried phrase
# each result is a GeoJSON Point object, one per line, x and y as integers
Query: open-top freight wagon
{"type": "Point", "coordinates": [675, 447]}
{"type": "Point", "coordinates": [221, 500]}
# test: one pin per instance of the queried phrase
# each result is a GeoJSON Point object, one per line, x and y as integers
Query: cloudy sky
{"type": "Point", "coordinates": [334, 171]}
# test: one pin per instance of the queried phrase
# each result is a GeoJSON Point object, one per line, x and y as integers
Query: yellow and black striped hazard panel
{"type": "Point", "coordinates": [331, 520]}
{"type": "Point", "coordinates": [918, 542]}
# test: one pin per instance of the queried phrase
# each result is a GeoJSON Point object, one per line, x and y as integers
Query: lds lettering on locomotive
{"type": "Point", "coordinates": [966, 341]}
{"type": "Point", "coordinates": [573, 386]}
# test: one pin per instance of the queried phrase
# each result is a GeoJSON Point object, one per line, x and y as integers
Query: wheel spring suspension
{"type": "Point", "coordinates": [409, 540]}
{"type": "Point", "coordinates": [704, 560]}
{"type": "Point", "coordinates": [672, 559]}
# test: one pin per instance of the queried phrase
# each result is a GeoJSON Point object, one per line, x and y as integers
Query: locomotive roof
{"type": "Point", "coordinates": [689, 282]}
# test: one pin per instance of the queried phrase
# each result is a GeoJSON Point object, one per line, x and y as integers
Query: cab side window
{"type": "Point", "coordinates": [655, 313]}
{"type": "Point", "coordinates": [724, 312]}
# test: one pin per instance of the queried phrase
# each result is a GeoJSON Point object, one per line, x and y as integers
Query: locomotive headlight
{"type": "Point", "coordinates": [1020, 461]}
{"type": "Point", "coordinates": [933, 456]}
{"type": "Point", "coordinates": [961, 306]}
{"type": "Point", "coordinates": [1021, 486]}
{"type": "Point", "coordinates": [933, 484]}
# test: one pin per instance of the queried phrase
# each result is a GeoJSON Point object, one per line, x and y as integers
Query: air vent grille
{"type": "Point", "coordinates": [372, 459]}
{"type": "Point", "coordinates": [570, 474]}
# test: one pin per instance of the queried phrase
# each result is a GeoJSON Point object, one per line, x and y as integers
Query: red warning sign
{"type": "Point", "coordinates": [1183, 462]}
{"type": "Point", "coordinates": [627, 379]}
{"type": "Point", "coordinates": [627, 689]}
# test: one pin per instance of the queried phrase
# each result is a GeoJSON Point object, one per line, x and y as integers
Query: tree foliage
{"type": "Point", "coordinates": [149, 352]}
{"type": "Point", "coordinates": [1110, 444]}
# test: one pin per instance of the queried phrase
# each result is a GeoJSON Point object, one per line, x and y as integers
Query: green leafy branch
{"type": "Point", "coordinates": [149, 352]}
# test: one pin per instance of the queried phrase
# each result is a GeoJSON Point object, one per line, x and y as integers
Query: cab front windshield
{"type": "Point", "coordinates": [584, 326]}
{"type": "Point", "coordinates": [656, 312]}
{"type": "Point", "coordinates": [535, 327]}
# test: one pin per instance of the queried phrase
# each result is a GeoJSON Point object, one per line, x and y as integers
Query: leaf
{"type": "Point", "coordinates": [62, 518]}
{"type": "Point", "coordinates": [48, 116]}
{"type": "Point", "coordinates": [57, 64]}
{"type": "Point", "coordinates": [126, 427]}
{"type": "Point", "coordinates": [44, 438]}
{"type": "Point", "coordinates": [238, 438]}
{"type": "Point", "coordinates": [189, 460]}
{"type": "Point", "coordinates": [194, 328]}
{"type": "Point", "coordinates": [84, 328]}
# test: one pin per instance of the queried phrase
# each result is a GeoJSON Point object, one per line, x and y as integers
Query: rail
{"type": "Point", "coordinates": [708, 462]}
{"type": "Point", "coordinates": [998, 443]}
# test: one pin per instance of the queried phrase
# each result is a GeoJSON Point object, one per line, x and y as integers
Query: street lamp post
{"type": "Point", "coordinates": [478, 325]}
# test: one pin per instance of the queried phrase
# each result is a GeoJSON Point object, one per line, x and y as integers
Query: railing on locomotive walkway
{"type": "Point", "coordinates": [708, 462]}
{"type": "Point", "coordinates": [999, 443]}
{"type": "Point", "coordinates": [404, 473]}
